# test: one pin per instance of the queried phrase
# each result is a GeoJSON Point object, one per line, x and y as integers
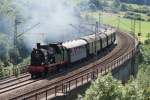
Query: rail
{"type": "Point", "coordinates": [66, 86]}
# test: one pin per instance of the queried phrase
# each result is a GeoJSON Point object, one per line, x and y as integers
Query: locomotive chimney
{"type": "Point", "coordinates": [38, 45]}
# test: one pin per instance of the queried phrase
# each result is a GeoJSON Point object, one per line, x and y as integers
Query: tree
{"type": "Point", "coordinates": [145, 50]}
{"type": "Point", "coordinates": [148, 14]}
{"type": "Point", "coordinates": [4, 47]}
{"type": "Point", "coordinates": [116, 4]}
{"type": "Point", "coordinates": [8, 14]}
{"type": "Point", "coordinates": [108, 88]}
{"type": "Point", "coordinates": [143, 80]}
{"type": "Point", "coordinates": [104, 88]}
{"type": "Point", "coordinates": [146, 2]}
{"type": "Point", "coordinates": [105, 3]}
{"type": "Point", "coordinates": [96, 4]}
{"type": "Point", "coordinates": [6, 7]}
{"type": "Point", "coordinates": [132, 91]}
{"type": "Point", "coordinates": [124, 7]}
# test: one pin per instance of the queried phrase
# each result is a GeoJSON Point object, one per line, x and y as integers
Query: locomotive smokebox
{"type": "Point", "coordinates": [38, 45]}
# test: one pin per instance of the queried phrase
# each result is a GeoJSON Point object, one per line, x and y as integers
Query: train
{"type": "Point", "coordinates": [50, 58]}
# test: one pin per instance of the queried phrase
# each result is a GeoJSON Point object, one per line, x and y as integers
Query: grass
{"type": "Point", "coordinates": [125, 24]}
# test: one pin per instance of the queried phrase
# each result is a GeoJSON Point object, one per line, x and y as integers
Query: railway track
{"type": "Point", "coordinates": [13, 78]}
{"type": "Point", "coordinates": [126, 43]}
{"type": "Point", "coordinates": [13, 83]}
{"type": "Point", "coordinates": [16, 85]}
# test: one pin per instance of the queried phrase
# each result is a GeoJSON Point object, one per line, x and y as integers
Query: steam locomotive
{"type": "Point", "coordinates": [48, 59]}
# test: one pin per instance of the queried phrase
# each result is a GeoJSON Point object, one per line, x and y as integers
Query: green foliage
{"type": "Point", "coordinates": [4, 47]}
{"type": "Point", "coordinates": [147, 41]}
{"type": "Point", "coordinates": [144, 70]}
{"type": "Point", "coordinates": [141, 10]}
{"type": "Point", "coordinates": [139, 34]}
{"type": "Point", "coordinates": [143, 2]}
{"type": "Point", "coordinates": [8, 13]}
{"type": "Point", "coordinates": [1, 72]}
{"type": "Point", "coordinates": [5, 70]}
{"type": "Point", "coordinates": [104, 88]}
{"type": "Point", "coordinates": [136, 8]}
{"type": "Point", "coordinates": [116, 4]}
{"type": "Point", "coordinates": [143, 76]}
{"type": "Point", "coordinates": [6, 16]}
{"type": "Point", "coordinates": [147, 94]}
{"type": "Point", "coordinates": [23, 65]}
{"type": "Point", "coordinates": [96, 4]}
{"type": "Point", "coordinates": [124, 7]}
{"type": "Point", "coordinates": [143, 80]}
{"type": "Point", "coordinates": [145, 51]}
{"type": "Point", "coordinates": [132, 15]}
{"type": "Point", "coordinates": [113, 5]}
{"type": "Point", "coordinates": [107, 88]}
{"type": "Point", "coordinates": [6, 7]}
{"type": "Point", "coordinates": [7, 52]}
{"type": "Point", "coordinates": [132, 91]}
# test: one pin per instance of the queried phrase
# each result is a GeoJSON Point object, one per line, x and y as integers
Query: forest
{"type": "Point", "coordinates": [143, 2]}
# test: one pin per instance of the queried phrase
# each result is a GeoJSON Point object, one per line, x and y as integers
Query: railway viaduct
{"type": "Point", "coordinates": [122, 72]}
{"type": "Point", "coordinates": [120, 61]}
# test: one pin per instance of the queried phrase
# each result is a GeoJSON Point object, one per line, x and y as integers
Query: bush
{"type": "Point", "coordinates": [124, 7]}
{"type": "Point", "coordinates": [104, 88]}
{"type": "Point", "coordinates": [7, 52]}
{"type": "Point", "coordinates": [107, 88]}
{"type": "Point", "coordinates": [147, 42]}
{"type": "Point", "coordinates": [131, 15]}
{"type": "Point", "coordinates": [139, 34]}
{"type": "Point", "coordinates": [145, 51]}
